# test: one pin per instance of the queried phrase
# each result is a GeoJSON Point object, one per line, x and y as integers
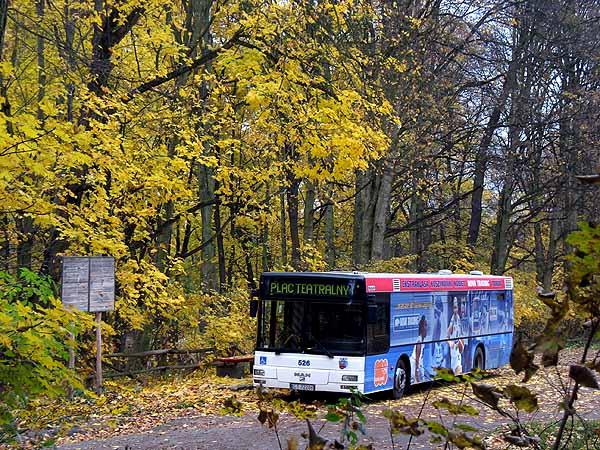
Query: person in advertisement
{"type": "Point", "coordinates": [438, 348]}
{"type": "Point", "coordinates": [455, 333]}
{"type": "Point", "coordinates": [416, 358]}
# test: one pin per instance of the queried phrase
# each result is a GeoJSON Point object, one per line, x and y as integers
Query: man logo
{"type": "Point", "coordinates": [380, 375]}
{"type": "Point", "coordinates": [343, 363]}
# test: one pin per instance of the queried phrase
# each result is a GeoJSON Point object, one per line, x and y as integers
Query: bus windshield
{"type": "Point", "coordinates": [308, 326]}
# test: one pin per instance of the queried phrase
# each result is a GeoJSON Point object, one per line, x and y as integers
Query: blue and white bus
{"type": "Point", "coordinates": [334, 331]}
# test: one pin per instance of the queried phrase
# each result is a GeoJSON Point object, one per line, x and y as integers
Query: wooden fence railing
{"type": "Point", "coordinates": [156, 361]}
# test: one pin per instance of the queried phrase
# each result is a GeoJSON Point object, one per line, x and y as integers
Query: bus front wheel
{"type": "Point", "coordinates": [401, 379]}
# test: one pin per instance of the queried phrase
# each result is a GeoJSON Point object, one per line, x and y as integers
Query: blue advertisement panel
{"type": "Point", "coordinates": [379, 369]}
{"type": "Point", "coordinates": [443, 329]}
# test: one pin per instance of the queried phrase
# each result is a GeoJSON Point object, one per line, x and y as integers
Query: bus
{"type": "Point", "coordinates": [339, 331]}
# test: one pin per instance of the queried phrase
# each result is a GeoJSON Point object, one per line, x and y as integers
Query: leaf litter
{"type": "Point", "coordinates": [140, 406]}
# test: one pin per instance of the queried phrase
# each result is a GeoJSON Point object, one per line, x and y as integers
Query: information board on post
{"type": "Point", "coordinates": [88, 283]}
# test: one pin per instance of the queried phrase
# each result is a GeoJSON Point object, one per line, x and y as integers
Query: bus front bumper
{"type": "Point", "coordinates": [302, 372]}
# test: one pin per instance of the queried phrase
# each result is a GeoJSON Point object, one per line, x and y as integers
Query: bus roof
{"type": "Point", "coordinates": [412, 282]}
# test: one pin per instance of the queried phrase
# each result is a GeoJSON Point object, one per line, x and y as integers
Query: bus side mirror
{"type": "Point", "coordinates": [371, 314]}
{"type": "Point", "coordinates": [253, 307]}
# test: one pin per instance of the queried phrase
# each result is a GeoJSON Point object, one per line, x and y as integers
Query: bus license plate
{"type": "Point", "coordinates": [302, 387]}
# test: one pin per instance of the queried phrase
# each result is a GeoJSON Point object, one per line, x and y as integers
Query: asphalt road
{"type": "Point", "coordinates": [215, 432]}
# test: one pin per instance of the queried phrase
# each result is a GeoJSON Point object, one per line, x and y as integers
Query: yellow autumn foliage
{"type": "Point", "coordinates": [218, 321]}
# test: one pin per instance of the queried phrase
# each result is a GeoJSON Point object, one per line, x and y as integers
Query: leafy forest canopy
{"type": "Point", "coordinates": [201, 142]}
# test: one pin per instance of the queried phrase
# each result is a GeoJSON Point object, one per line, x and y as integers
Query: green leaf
{"type": "Point", "coordinates": [399, 423]}
{"type": "Point", "coordinates": [455, 408]}
{"type": "Point", "coordinates": [462, 440]}
{"type": "Point", "coordinates": [361, 416]}
{"type": "Point", "coordinates": [522, 397]}
{"type": "Point", "coordinates": [436, 428]}
{"type": "Point", "coordinates": [465, 427]}
{"type": "Point", "coordinates": [232, 406]}
{"type": "Point", "coordinates": [333, 417]}
{"type": "Point", "coordinates": [446, 374]}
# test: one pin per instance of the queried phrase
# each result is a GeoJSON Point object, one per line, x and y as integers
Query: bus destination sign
{"type": "Point", "coordinates": [305, 288]}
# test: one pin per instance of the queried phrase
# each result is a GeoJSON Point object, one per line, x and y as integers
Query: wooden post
{"type": "Point", "coordinates": [71, 359]}
{"type": "Point", "coordinates": [98, 352]}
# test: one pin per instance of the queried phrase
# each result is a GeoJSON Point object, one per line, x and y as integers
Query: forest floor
{"type": "Point", "coordinates": [187, 413]}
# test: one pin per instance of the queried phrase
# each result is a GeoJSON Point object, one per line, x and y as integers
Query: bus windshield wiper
{"type": "Point", "coordinates": [327, 352]}
{"type": "Point", "coordinates": [283, 347]}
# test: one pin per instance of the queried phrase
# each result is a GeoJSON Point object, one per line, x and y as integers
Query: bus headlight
{"type": "Point", "coordinates": [349, 377]}
{"type": "Point", "coordinates": [259, 372]}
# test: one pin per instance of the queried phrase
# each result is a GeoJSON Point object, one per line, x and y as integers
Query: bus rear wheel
{"type": "Point", "coordinates": [479, 359]}
{"type": "Point", "coordinates": [401, 379]}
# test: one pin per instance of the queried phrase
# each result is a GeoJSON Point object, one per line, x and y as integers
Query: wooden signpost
{"type": "Point", "coordinates": [88, 284]}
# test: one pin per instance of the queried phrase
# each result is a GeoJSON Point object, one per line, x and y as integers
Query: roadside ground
{"type": "Point", "coordinates": [187, 413]}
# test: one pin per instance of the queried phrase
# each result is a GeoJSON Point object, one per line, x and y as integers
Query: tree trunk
{"type": "Point", "coordinates": [220, 246]}
{"type": "Point", "coordinates": [3, 21]}
{"type": "Point", "coordinates": [24, 223]}
{"type": "Point", "coordinates": [381, 213]}
{"type": "Point", "coordinates": [109, 31]}
{"type": "Point", "coordinates": [4, 103]}
{"type": "Point", "coordinates": [4, 242]}
{"type": "Point", "coordinates": [292, 201]}
{"type": "Point", "coordinates": [266, 253]}
{"type": "Point", "coordinates": [164, 236]}
{"type": "Point", "coordinates": [25, 245]}
{"type": "Point", "coordinates": [368, 217]}
{"type": "Point", "coordinates": [416, 232]}
{"type": "Point", "coordinates": [551, 254]}
{"type": "Point", "coordinates": [518, 96]}
{"type": "Point", "coordinates": [41, 61]}
{"type": "Point", "coordinates": [196, 20]}
{"type": "Point", "coordinates": [359, 211]}
{"type": "Point", "coordinates": [545, 258]}
{"type": "Point", "coordinates": [282, 220]}
{"type": "Point", "coordinates": [482, 154]}
{"type": "Point", "coordinates": [4, 245]}
{"type": "Point", "coordinates": [309, 213]}
{"type": "Point", "coordinates": [69, 56]}
{"type": "Point", "coordinates": [233, 253]}
{"type": "Point", "coordinates": [501, 238]}
{"type": "Point", "coordinates": [249, 269]}
{"type": "Point", "coordinates": [540, 253]}
{"type": "Point", "coordinates": [207, 192]}
{"type": "Point", "coordinates": [330, 250]}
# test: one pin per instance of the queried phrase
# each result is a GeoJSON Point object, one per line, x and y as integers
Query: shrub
{"type": "Point", "coordinates": [34, 341]}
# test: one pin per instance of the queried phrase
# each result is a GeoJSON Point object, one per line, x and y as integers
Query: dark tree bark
{"type": "Point", "coordinates": [481, 159]}
{"type": "Point", "coordinates": [417, 232]}
{"type": "Point", "coordinates": [359, 211]}
{"type": "Point", "coordinates": [309, 212]}
{"type": "Point", "coordinates": [207, 193]}
{"type": "Point", "coordinates": [381, 213]}
{"type": "Point", "coordinates": [220, 246]}
{"type": "Point", "coordinates": [3, 21]}
{"type": "Point", "coordinates": [108, 34]}
{"type": "Point", "coordinates": [283, 221]}
{"type": "Point", "coordinates": [292, 207]}
{"type": "Point", "coordinates": [330, 250]}
{"type": "Point", "coordinates": [266, 253]}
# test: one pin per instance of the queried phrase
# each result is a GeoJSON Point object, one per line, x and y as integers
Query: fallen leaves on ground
{"type": "Point", "coordinates": [132, 406]}
{"type": "Point", "coordinates": [138, 406]}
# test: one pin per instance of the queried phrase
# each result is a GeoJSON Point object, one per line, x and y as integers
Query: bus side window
{"type": "Point", "coordinates": [378, 333]}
